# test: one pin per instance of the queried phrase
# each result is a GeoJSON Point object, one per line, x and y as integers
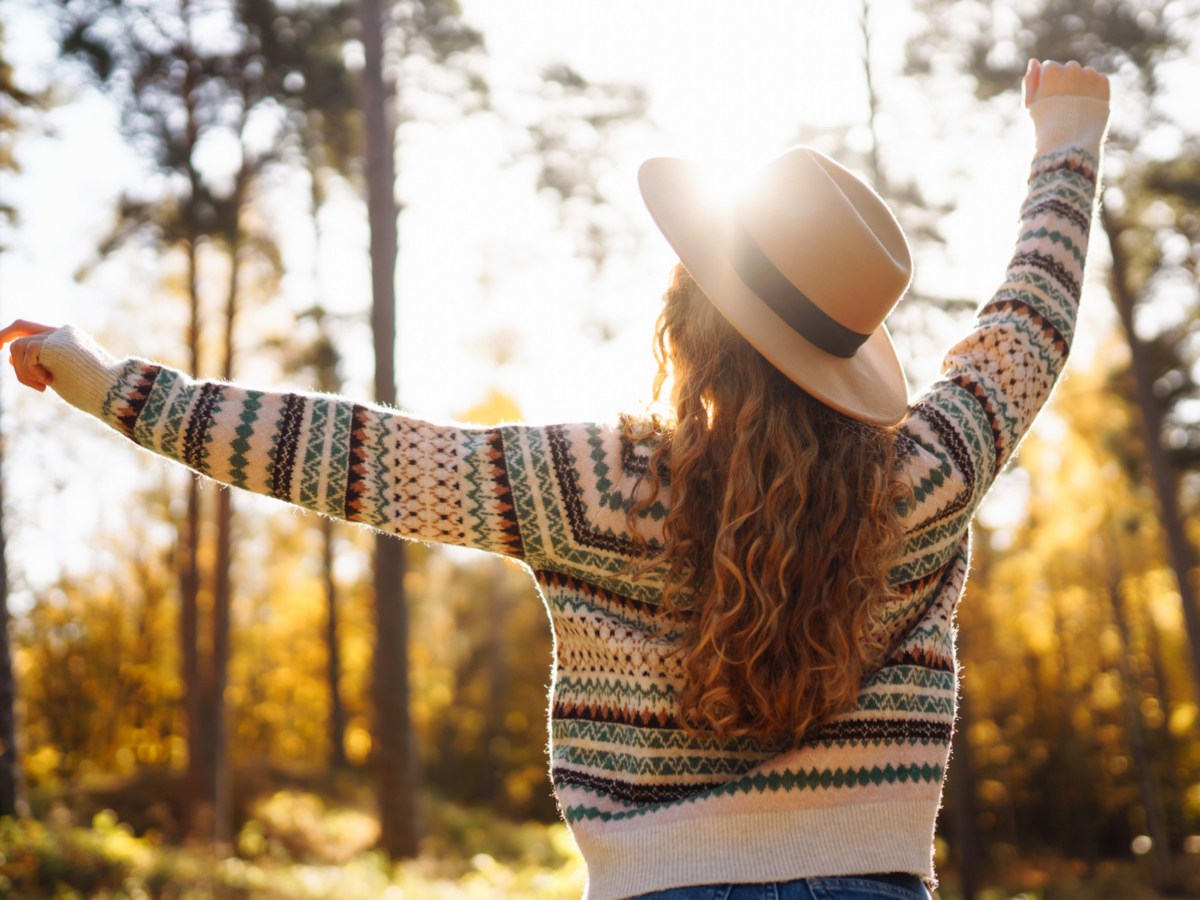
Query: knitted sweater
{"type": "Point", "coordinates": [650, 806]}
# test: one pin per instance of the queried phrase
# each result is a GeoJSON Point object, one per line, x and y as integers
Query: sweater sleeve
{"type": "Point", "coordinates": [362, 463]}
{"type": "Point", "coordinates": [995, 380]}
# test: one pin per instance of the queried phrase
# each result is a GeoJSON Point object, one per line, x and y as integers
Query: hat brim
{"type": "Point", "coordinates": [869, 386]}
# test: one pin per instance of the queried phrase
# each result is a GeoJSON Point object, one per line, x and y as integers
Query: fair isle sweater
{"type": "Point", "coordinates": [651, 806]}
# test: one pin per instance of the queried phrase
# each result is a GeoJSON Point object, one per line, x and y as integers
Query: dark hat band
{"type": "Point", "coordinates": [789, 302]}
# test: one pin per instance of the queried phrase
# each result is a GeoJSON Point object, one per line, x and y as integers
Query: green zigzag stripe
{"type": "Point", "coordinates": [340, 422]}
{"type": "Point", "coordinates": [610, 690]}
{"type": "Point", "coordinates": [143, 430]}
{"type": "Point", "coordinates": [809, 780]}
{"type": "Point", "coordinates": [912, 676]}
{"type": "Point", "coordinates": [654, 738]}
{"type": "Point", "coordinates": [314, 449]}
{"type": "Point", "coordinates": [176, 417]}
{"type": "Point", "coordinates": [1057, 237]}
{"type": "Point", "coordinates": [674, 766]}
{"type": "Point", "coordinates": [479, 492]}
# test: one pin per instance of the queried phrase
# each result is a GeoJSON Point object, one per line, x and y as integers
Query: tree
{"type": "Point", "coordinates": [420, 33]}
{"type": "Point", "coordinates": [992, 43]}
{"type": "Point", "coordinates": [12, 98]}
{"type": "Point", "coordinates": [179, 85]}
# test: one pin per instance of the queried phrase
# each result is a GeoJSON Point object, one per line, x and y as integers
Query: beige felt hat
{"type": "Point", "coordinates": [806, 267]}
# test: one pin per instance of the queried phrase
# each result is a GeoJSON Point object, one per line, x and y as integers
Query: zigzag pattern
{"type": "Point", "coordinates": [200, 422]}
{"type": "Point", "coordinates": [776, 782]}
{"type": "Point", "coordinates": [241, 443]}
{"type": "Point", "coordinates": [314, 454]}
{"type": "Point", "coordinates": [127, 402]}
{"type": "Point", "coordinates": [490, 513]}
{"type": "Point", "coordinates": [637, 765]}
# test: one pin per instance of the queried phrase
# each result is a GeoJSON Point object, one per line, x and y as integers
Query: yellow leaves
{"type": "Point", "coordinates": [358, 745]}
{"type": "Point", "coordinates": [495, 408]}
{"type": "Point", "coordinates": [1106, 691]}
{"type": "Point", "coordinates": [43, 763]}
{"type": "Point", "coordinates": [1183, 720]}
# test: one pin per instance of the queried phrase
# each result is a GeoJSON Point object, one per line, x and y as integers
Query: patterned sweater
{"type": "Point", "coordinates": [650, 806]}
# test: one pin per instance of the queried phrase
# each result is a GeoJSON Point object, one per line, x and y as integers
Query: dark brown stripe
{"type": "Point", "coordinates": [510, 531]}
{"type": "Point", "coordinates": [131, 408]}
{"type": "Point", "coordinates": [862, 730]}
{"type": "Point", "coordinates": [195, 436]}
{"type": "Point", "coordinates": [356, 475]}
{"type": "Point", "coordinates": [1062, 209]}
{"type": "Point", "coordinates": [1051, 267]}
{"type": "Point", "coordinates": [598, 712]}
{"type": "Point", "coordinates": [286, 446]}
{"type": "Point", "coordinates": [630, 793]}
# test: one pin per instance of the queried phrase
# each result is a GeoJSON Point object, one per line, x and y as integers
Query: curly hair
{"type": "Point", "coordinates": [784, 520]}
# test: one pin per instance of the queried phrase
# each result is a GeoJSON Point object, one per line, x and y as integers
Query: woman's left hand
{"type": "Point", "coordinates": [27, 339]}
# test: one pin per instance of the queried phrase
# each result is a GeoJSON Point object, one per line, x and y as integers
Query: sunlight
{"type": "Point", "coordinates": [725, 180]}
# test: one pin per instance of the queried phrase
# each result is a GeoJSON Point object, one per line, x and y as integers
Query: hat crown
{"type": "Point", "coordinates": [830, 236]}
{"type": "Point", "coordinates": [806, 269]}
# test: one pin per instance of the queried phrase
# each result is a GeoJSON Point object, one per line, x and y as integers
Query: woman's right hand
{"type": "Point", "coordinates": [27, 339]}
{"type": "Point", "coordinates": [1055, 79]}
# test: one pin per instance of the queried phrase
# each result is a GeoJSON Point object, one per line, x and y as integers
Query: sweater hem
{"type": "Point", "coordinates": [781, 845]}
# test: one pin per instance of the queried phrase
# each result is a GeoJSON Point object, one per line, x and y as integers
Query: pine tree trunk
{"type": "Point", "coordinates": [9, 766]}
{"type": "Point", "coordinates": [333, 671]}
{"type": "Point", "coordinates": [195, 806]}
{"type": "Point", "coordinates": [393, 734]}
{"type": "Point", "coordinates": [1179, 549]}
{"type": "Point", "coordinates": [196, 812]}
{"type": "Point", "coordinates": [220, 788]}
{"type": "Point", "coordinates": [1148, 784]}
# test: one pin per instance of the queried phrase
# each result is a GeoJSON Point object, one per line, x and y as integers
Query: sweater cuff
{"type": "Point", "coordinates": [1069, 123]}
{"type": "Point", "coordinates": [84, 372]}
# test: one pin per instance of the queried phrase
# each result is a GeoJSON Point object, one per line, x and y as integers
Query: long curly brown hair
{"type": "Point", "coordinates": [784, 520]}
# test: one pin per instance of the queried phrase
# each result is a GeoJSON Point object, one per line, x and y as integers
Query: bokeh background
{"type": "Point", "coordinates": [186, 700]}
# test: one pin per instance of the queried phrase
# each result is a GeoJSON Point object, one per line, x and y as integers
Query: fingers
{"type": "Point", "coordinates": [1070, 79]}
{"type": "Point", "coordinates": [1033, 76]}
{"type": "Point", "coordinates": [22, 328]}
{"type": "Point", "coordinates": [24, 354]}
{"type": "Point", "coordinates": [25, 358]}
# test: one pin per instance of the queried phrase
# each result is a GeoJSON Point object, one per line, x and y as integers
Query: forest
{"type": "Point", "coordinates": [204, 693]}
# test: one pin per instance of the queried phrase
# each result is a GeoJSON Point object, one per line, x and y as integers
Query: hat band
{"type": "Point", "coordinates": [789, 302]}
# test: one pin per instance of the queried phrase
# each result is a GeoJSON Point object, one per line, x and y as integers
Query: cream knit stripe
{"type": "Point", "coordinates": [763, 846]}
{"type": "Point", "coordinates": [1061, 122]}
{"type": "Point", "coordinates": [84, 372]}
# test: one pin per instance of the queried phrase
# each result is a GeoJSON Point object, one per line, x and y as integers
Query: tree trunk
{"type": "Point", "coordinates": [1179, 549]}
{"type": "Point", "coordinates": [9, 766]}
{"type": "Point", "coordinates": [877, 176]}
{"type": "Point", "coordinates": [961, 800]}
{"type": "Point", "coordinates": [1078, 815]}
{"type": "Point", "coordinates": [333, 670]}
{"type": "Point", "coordinates": [394, 743]}
{"type": "Point", "coordinates": [220, 788]}
{"type": "Point", "coordinates": [195, 806]}
{"type": "Point", "coordinates": [1148, 785]}
{"type": "Point", "coordinates": [196, 812]}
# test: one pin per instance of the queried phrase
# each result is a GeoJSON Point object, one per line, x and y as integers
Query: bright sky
{"type": "Point", "coordinates": [480, 254]}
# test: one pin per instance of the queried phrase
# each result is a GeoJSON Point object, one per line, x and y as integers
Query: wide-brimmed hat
{"type": "Point", "coordinates": [806, 266]}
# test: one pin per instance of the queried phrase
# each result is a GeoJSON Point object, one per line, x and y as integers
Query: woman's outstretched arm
{"type": "Point", "coordinates": [353, 461]}
{"type": "Point", "coordinates": [996, 379]}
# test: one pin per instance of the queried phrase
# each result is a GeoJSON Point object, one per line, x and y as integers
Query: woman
{"type": "Point", "coordinates": [754, 684]}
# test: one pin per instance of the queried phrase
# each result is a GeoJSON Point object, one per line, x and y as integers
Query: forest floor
{"type": "Point", "coordinates": [296, 844]}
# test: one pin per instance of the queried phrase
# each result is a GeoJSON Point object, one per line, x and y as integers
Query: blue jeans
{"type": "Point", "coordinates": [858, 887]}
